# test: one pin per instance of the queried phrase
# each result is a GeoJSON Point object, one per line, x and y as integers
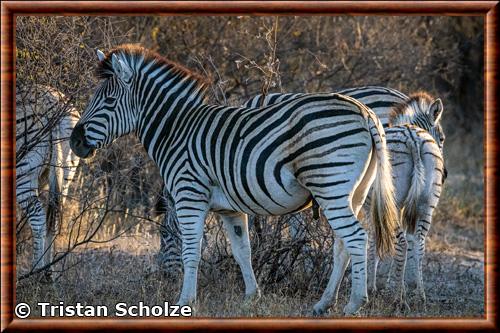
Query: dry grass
{"type": "Point", "coordinates": [125, 270]}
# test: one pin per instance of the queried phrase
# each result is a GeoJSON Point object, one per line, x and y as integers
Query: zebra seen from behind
{"type": "Point", "coordinates": [418, 172]}
{"type": "Point", "coordinates": [44, 121]}
{"type": "Point", "coordinates": [238, 161]}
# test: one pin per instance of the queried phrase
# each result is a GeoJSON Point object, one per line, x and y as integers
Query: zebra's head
{"type": "Point", "coordinates": [423, 111]}
{"type": "Point", "coordinates": [110, 112]}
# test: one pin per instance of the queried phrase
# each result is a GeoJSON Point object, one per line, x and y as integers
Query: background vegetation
{"type": "Point", "coordinates": [109, 226]}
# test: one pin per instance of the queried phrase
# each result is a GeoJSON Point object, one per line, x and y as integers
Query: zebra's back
{"type": "Point", "coordinates": [380, 100]}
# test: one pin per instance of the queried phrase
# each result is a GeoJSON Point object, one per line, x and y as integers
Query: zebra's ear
{"type": "Point", "coordinates": [436, 110]}
{"type": "Point", "coordinates": [121, 69]}
{"type": "Point", "coordinates": [100, 55]}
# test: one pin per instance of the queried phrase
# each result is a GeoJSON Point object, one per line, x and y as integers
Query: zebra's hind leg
{"type": "Point", "coordinates": [372, 264]}
{"type": "Point", "coordinates": [53, 216]}
{"type": "Point", "coordinates": [348, 230]}
{"type": "Point", "coordinates": [419, 249]}
{"type": "Point", "coordinates": [330, 295]}
{"type": "Point", "coordinates": [400, 260]}
{"type": "Point", "coordinates": [237, 228]}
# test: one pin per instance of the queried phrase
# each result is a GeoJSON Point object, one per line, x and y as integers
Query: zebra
{"type": "Point", "coordinates": [44, 121]}
{"type": "Point", "coordinates": [381, 100]}
{"type": "Point", "coordinates": [238, 161]}
{"type": "Point", "coordinates": [390, 105]}
{"type": "Point", "coordinates": [419, 173]}
{"type": "Point", "coordinates": [169, 255]}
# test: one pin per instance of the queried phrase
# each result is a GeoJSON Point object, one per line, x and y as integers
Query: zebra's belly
{"type": "Point", "coordinates": [260, 204]}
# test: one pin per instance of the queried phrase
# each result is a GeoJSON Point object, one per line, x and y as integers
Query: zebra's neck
{"type": "Point", "coordinates": [167, 98]}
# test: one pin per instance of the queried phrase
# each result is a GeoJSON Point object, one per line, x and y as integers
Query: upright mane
{"type": "Point", "coordinates": [134, 53]}
{"type": "Point", "coordinates": [418, 103]}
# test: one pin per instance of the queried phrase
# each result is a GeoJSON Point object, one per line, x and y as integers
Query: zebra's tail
{"type": "Point", "coordinates": [410, 206]}
{"type": "Point", "coordinates": [384, 214]}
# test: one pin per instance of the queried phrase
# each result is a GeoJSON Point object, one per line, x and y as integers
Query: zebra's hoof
{"type": "Point", "coordinates": [192, 305]}
{"type": "Point", "coordinates": [353, 307]}
{"type": "Point", "coordinates": [252, 297]}
{"type": "Point", "coordinates": [401, 307]}
{"type": "Point", "coordinates": [47, 277]}
{"type": "Point", "coordinates": [319, 309]}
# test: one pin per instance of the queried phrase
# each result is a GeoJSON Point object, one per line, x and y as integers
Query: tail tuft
{"type": "Point", "coordinates": [410, 206]}
{"type": "Point", "coordinates": [384, 213]}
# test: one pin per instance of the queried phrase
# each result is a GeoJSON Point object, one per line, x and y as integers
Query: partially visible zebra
{"type": "Point", "coordinates": [381, 100]}
{"type": "Point", "coordinates": [390, 105]}
{"type": "Point", "coordinates": [237, 161]}
{"type": "Point", "coordinates": [169, 256]}
{"type": "Point", "coordinates": [44, 121]}
{"type": "Point", "coordinates": [419, 173]}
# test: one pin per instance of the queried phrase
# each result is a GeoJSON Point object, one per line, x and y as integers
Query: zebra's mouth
{"type": "Point", "coordinates": [79, 144]}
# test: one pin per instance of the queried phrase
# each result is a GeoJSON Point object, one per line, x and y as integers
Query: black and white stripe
{"type": "Point", "coordinates": [44, 121]}
{"type": "Point", "coordinates": [237, 161]}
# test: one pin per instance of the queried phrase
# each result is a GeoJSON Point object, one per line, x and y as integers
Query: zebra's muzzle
{"type": "Point", "coordinates": [78, 143]}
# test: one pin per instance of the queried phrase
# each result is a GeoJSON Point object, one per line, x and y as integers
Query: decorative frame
{"type": "Point", "coordinates": [10, 9]}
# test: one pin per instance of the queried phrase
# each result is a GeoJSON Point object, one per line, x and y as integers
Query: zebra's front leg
{"type": "Point", "coordinates": [29, 202]}
{"type": "Point", "coordinates": [236, 226]}
{"type": "Point", "coordinates": [169, 255]}
{"type": "Point", "coordinates": [191, 221]}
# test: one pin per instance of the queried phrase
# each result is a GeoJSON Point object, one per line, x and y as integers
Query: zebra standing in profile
{"type": "Point", "coordinates": [237, 161]}
{"type": "Point", "coordinates": [44, 121]}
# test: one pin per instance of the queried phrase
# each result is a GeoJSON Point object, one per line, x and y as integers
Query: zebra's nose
{"type": "Point", "coordinates": [77, 134]}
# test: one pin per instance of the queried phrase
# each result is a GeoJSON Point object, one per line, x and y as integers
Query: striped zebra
{"type": "Point", "coordinates": [390, 105]}
{"type": "Point", "coordinates": [381, 100]}
{"type": "Point", "coordinates": [237, 161]}
{"type": "Point", "coordinates": [169, 255]}
{"type": "Point", "coordinates": [418, 173]}
{"type": "Point", "coordinates": [44, 121]}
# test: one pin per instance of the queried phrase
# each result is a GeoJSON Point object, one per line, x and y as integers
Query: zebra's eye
{"type": "Point", "coordinates": [109, 100]}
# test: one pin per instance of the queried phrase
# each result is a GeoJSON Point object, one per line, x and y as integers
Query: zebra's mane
{"type": "Point", "coordinates": [417, 104]}
{"type": "Point", "coordinates": [134, 53]}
